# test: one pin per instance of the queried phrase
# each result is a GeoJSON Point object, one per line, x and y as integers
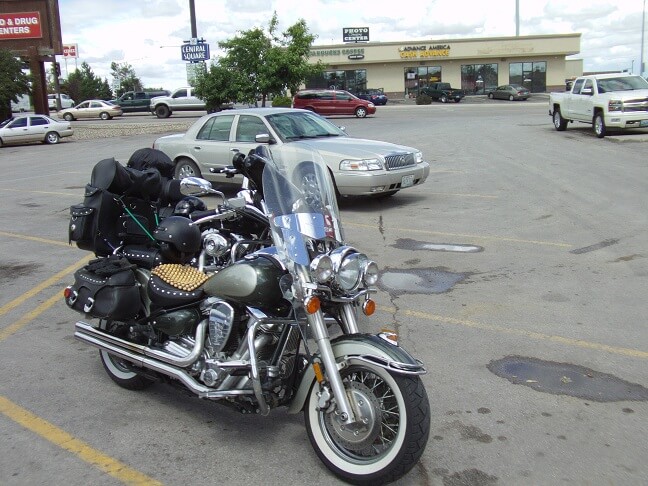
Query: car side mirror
{"type": "Point", "coordinates": [262, 138]}
{"type": "Point", "coordinates": [586, 91]}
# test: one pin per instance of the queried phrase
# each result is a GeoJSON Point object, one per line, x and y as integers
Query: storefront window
{"type": "Point", "coordinates": [478, 78]}
{"type": "Point", "coordinates": [351, 80]}
{"type": "Point", "coordinates": [420, 77]}
{"type": "Point", "coordinates": [531, 75]}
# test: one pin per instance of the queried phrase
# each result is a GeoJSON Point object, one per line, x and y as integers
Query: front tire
{"type": "Point", "coordinates": [511, 98]}
{"type": "Point", "coordinates": [490, 96]}
{"type": "Point", "coordinates": [394, 433]}
{"type": "Point", "coordinates": [443, 99]}
{"type": "Point", "coordinates": [68, 117]}
{"type": "Point", "coordinates": [599, 125]}
{"type": "Point", "coordinates": [361, 112]}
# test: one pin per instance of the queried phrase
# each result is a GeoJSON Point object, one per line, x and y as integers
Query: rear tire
{"type": "Point", "coordinates": [599, 125]}
{"type": "Point", "coordinates": [490, 95]}
{"type": "Point", "coordinates": [559, 122]}
{"type": "Point", "coordinates": [162, 111]}
{"type": "Point", "coordinates": [52, 138]}
{"type": "Point", "coordinates": [104, 116]}
{"type": "Point", "coordinates": [186, 168]}
{"type": "Point", "coordinates": [443, 99]}
{"type": "Point", "coordinates": [119, 371]}
{"type": "Point", "coordinates": [511, 98]}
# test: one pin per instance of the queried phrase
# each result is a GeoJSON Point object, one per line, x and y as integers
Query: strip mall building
{"type": "Point", "coordinates": [400, 69]}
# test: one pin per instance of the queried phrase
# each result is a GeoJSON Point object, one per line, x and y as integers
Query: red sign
{"type": "Point", "coordinates": [20, 25]}
{"type": "Point", "coordinates": [70, 50]}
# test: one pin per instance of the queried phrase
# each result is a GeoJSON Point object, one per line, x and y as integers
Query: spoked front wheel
{"type": "Point", "coordinates": [390, 435]}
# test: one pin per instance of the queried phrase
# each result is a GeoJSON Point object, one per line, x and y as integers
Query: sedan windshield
{"type": "Point", "coordinates": [299, 126]}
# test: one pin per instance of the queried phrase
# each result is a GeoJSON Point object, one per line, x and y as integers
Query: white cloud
{"type": "Point", "coordinates": [134, 31]}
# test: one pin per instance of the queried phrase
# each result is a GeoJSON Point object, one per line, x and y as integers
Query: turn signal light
{"type": "Point", "coordinates": [67, 292]}
{"type": "Point", "coordinates": [312, 304]}
{"type": "Point", "coordinates": [369, 307]}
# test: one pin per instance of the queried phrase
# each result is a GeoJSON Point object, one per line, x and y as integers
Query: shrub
{"type": "Point", "coordinates": [423, 100]}
{"type": "Point", "coordinates": [282, 101]}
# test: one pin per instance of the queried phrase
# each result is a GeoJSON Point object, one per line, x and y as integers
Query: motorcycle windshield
{"type": "Point", "coordinates": [300, 199]}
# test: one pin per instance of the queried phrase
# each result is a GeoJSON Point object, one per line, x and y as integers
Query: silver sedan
{"type": "Point", "coordinates": [359, 167]}
{"type": "Point", "coordinates": [33, 128]}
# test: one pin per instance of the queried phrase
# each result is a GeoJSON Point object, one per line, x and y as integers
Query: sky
{"type": "Point", "coordinates": [147, 34]}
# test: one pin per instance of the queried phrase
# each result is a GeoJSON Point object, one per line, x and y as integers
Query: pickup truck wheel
{"type": "Point", "coordinates": [559, 122]}
{"type": "Point", "coordinates": [361, 112]}
{"type": "Point", "coordinates": [186, 168]}
{"type": "Point", "coordinates": [162, 111]}
{"type": "Point", "coordinates": [443, 99]}
{"type": "Point", "coordinates": [457, 100]}
{"type": "Point", "coordinates": [599, 125]}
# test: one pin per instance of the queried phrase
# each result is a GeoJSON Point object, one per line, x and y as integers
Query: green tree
{"type": "Point", "coordinates": [83, 84]}
{"type": "Point", "coordinates": [269, 63]}
{"type": "Point", "coordinates": [13, 82]}
{"type": "Point", "coordinates": [125, 77]}
{"type": "Point", "coordinates": [217, 85]}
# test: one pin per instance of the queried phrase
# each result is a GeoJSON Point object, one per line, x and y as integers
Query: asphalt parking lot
{"type": "Point", "coordinates": [517, 273]}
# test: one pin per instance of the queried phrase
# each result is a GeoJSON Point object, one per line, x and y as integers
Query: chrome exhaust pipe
{"type": "Point", "coordinates": [83, 330]}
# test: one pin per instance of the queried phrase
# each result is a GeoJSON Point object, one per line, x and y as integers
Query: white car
{"type": "Point", "coordinates": [33, 128]}
{"type": "Point", "coordinates": [66, 101]}
{"type": "Point", "coordinates": [359, 167]}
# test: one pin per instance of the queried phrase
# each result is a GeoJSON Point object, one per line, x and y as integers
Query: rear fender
{"type": "Point", "coordinates": [370, 349]}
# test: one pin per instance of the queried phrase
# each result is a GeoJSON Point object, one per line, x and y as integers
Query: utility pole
{"type": "Point", "coordinates": [642, 67]}
{"type": "Point", "coordinates": [517, 17]}
{"type": "Point", "coordinates": [192, 15]}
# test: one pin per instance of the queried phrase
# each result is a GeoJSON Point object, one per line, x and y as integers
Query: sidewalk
{"type": "Point", "coordinates": [472, 99]}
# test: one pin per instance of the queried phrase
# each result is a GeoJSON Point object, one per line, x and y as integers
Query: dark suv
{"type": "Point", "coordinates": [376, 96]}
{"type": "Point", "coordinates": [333, 102]}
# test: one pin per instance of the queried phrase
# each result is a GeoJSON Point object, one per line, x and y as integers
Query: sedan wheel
{"type": "Point", "coordinates": [68, 117]}
{"type": "Point", "coordinates": [104, 116]}
{"type": "Point", "coordinates": [490, 95]}
{"type": "Point", "coordinates": [52, 138]}
{"type": "Point", "coordinates": [511, 98]}
{"type": "Point", "coordinates": [186, 168]}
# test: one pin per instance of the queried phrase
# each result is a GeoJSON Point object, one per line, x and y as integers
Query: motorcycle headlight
{"type": "Point", "coordinates": [321, 268]}
{"type": "Point", "coordinates": [363, 165]}
{"type": "Point", "coordinates": [370, 273]}
{"type": "Point", "coordinates": [348, 275]}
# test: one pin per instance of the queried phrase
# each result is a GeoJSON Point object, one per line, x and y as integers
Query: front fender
{"type": "Point", "coordinates": [358, 349]}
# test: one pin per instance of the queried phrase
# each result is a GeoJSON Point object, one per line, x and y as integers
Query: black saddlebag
{"type": "Point", "coordinates": [106, 288]}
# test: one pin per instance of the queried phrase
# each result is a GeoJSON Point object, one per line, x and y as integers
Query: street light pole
{"type": "Point", "coordinates": [642, 67]}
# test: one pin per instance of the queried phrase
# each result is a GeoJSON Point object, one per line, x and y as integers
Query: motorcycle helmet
{"type": "Point", "coordinates": [179, 239]}
{"type": "Point", "coordinates": [189, 204]}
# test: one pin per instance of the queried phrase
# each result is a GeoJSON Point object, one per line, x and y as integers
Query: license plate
{"type": "Point", "coordinates": [407, 181]}
{"type": "Point", "coordinates": [643, 123]}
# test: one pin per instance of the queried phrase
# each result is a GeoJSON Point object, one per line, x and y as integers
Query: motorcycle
{"type": "Point", "coordinates": [255, 334]}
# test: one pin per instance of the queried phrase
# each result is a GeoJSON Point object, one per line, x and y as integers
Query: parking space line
{"type": "Point", "coordinates": [43, 285]}
{"type": "Point", "coordinates": [461, 235]}
{"type": "Point", "coordinates": [49, 193]}
{"type": "Point", "coordinates": [579, 343]}
{"type": "Point", "coordinates": [35, 238]}
{"type": "Point", "coordinates": [80, 449]}
{"type": "Point", "coordinates": [486, 196]}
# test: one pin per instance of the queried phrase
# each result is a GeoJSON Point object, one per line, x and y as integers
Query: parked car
{"type": "Point", "coordinates": [92, 109]}
{"type": "Point", "coordinates": [510, 92]}
{"type": "Point", "coordinates": [333, 102]}
{"type": "Point", "coordinates": [443, 92]}
{"type": "Point", "coordinates": [376, 96]}
{"type": "Point", "coordinates": [66, 101]}
{"type": "Point", "coordinates": [132, 101]}
{"type": "Point", "coordinates": [359, 167]}
{"type": "Point", "coordinates": [33, 128]}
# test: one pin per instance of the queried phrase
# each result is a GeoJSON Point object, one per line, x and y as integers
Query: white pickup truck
{"type": "Point", "coordinates": [607, 101]}
{"type": "Point", "coordinates": [182, 99]}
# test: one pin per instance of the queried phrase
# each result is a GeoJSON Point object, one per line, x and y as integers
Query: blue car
{"type": "Point", "coordinates": [376, 96]}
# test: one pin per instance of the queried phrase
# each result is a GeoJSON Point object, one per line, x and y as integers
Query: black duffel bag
{"type": "Point", "coordinates": [106, 288]}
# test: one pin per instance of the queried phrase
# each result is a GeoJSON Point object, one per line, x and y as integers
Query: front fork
{"type": "Point", "coordinates": [322, 338]}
